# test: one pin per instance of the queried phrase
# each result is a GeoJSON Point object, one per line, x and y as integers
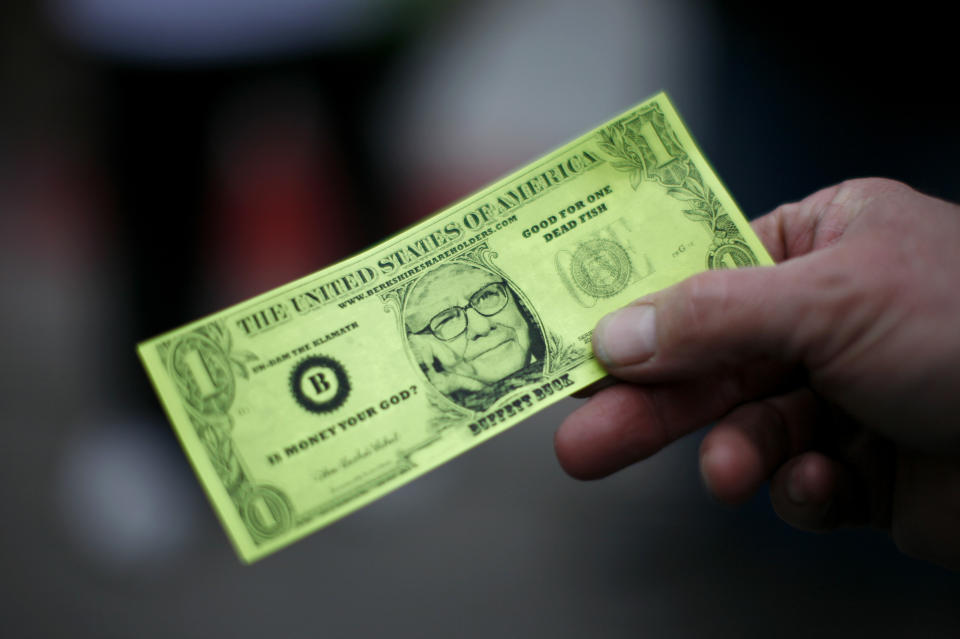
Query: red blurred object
{"type": "Point", "coordinates": [278, 210]}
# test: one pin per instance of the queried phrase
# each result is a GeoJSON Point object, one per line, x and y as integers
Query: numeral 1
{"type": "Point", "coordinates": [201, 373]}
{"type": "Point", "coordinates": [659, 151]}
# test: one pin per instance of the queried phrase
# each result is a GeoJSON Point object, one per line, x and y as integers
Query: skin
{"type": "Point", "coordinates": [833, 375]}
{"type": "Point", "coordinates": [490, 348]}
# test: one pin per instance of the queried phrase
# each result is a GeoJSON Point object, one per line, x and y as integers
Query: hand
{"type": "Point", "coordinates": [442, 366]}
{"type": "Point", "coordinates": [835, 374]}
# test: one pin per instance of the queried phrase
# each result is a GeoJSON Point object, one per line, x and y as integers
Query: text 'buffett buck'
{"type": "Point", "coordinates": [301, 405]}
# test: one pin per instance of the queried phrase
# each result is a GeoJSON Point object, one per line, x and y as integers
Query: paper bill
{"type": "Point", "coordinates": [301, 405]}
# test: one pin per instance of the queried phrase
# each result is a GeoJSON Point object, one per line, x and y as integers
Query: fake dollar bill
{"type": "Point", "coordinates": [307, 402]}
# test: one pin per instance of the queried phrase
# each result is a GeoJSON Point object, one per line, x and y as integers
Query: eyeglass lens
{"type": "Point", "coordinates": [451, 322]}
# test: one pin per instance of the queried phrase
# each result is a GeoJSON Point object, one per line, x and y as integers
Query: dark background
{"type": "Point", "coordinates": [159, 161]}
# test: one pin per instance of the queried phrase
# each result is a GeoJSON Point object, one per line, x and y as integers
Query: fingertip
{"type": "Point", "coordinates": [627, 336]}
{"type": "Point", "coordinates": [811, 480]}
{"type": "Point", "coordinates": [565, 446]}
{"type": "Point", "coordinates": [803, 492]}
{"type": "Point", "coordinates": [607, 433]}
{"type": "Point", "coordinates": [731, 467]}
{"type": "Point", "coordinates": [575, 443]}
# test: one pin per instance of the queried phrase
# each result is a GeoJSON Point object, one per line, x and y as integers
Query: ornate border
{"type": "Point", "coordinates": [644, 145]}
{"type": "Point", "coordinates": [264, 509]}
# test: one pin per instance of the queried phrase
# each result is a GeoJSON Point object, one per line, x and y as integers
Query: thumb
{"type": "Point", "coordinates": [790, 313]}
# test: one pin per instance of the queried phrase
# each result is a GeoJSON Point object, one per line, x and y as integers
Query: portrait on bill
{"type": "Point", "coordinates": [472, 335]}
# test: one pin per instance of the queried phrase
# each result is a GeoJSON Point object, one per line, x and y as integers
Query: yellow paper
{"type": "Point", "coordinates": [303, 404]}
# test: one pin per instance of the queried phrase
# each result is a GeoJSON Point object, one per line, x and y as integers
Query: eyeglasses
{"type": "Point", "coordinates": [452, 322]}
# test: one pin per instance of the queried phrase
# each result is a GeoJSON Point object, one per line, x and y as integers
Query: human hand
{"type": "Point", "coordinates": [834, 374]}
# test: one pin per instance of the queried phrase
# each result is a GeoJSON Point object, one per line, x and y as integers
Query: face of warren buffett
{"type": "Point", "coordinates": [473, 315]}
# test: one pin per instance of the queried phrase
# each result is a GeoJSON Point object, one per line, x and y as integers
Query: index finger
{"type": "Point", "coordinates": [626, 423]}
{"type": "Point", "coordinates": [820, 219]}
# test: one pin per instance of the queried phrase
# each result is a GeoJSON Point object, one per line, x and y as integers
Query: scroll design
{"type": "Point", "coordinates": [204, 368]}
{"type": "Point", "coordinates": [644, 145]}
{"type": "Point", "coordinates": [563, 356]}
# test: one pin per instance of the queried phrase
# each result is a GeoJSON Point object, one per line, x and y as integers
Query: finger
{"type": "Point", "coordinates": [623, 424]}
{"type": "Point", "coordinates": [926, 509]}
{"type": "Point", "coordinates": [817, 493]}
{"type": "Point", "coordinates": [769, 229]}
{"type": "Point", "coordinates": [797, 228]}
{"type": "Point", "coordinates": [745, 448]}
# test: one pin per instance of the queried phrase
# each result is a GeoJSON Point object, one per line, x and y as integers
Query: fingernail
{"type": "Point", "coordinates": [627, 336]}
{"type": "Point", "coordinates": [795, 490]}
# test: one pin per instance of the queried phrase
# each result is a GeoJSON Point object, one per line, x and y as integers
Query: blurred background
{"type": "Point", "coordinates": [160, 160]}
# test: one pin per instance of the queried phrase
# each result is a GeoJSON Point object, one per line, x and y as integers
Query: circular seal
{"type": "Point", "coordinates": [731, 254]}
{"type": "Point", "coordinates": [600, 268]}
{"type": "Point", "coordinates": [319, 384]}
{"type": "Point", "coordinates": [266, 511]}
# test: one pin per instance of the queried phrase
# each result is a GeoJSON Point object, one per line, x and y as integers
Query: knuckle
{"type": "Point", "coordinates": [768, 430]}
{"type": "Point", "coordinates": [854, 195]}
{"type": "Point", "coordinates": [873, 185]}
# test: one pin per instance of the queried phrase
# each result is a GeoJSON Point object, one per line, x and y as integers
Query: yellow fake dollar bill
{"type": "Point", "coordinates": [301, 405]}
